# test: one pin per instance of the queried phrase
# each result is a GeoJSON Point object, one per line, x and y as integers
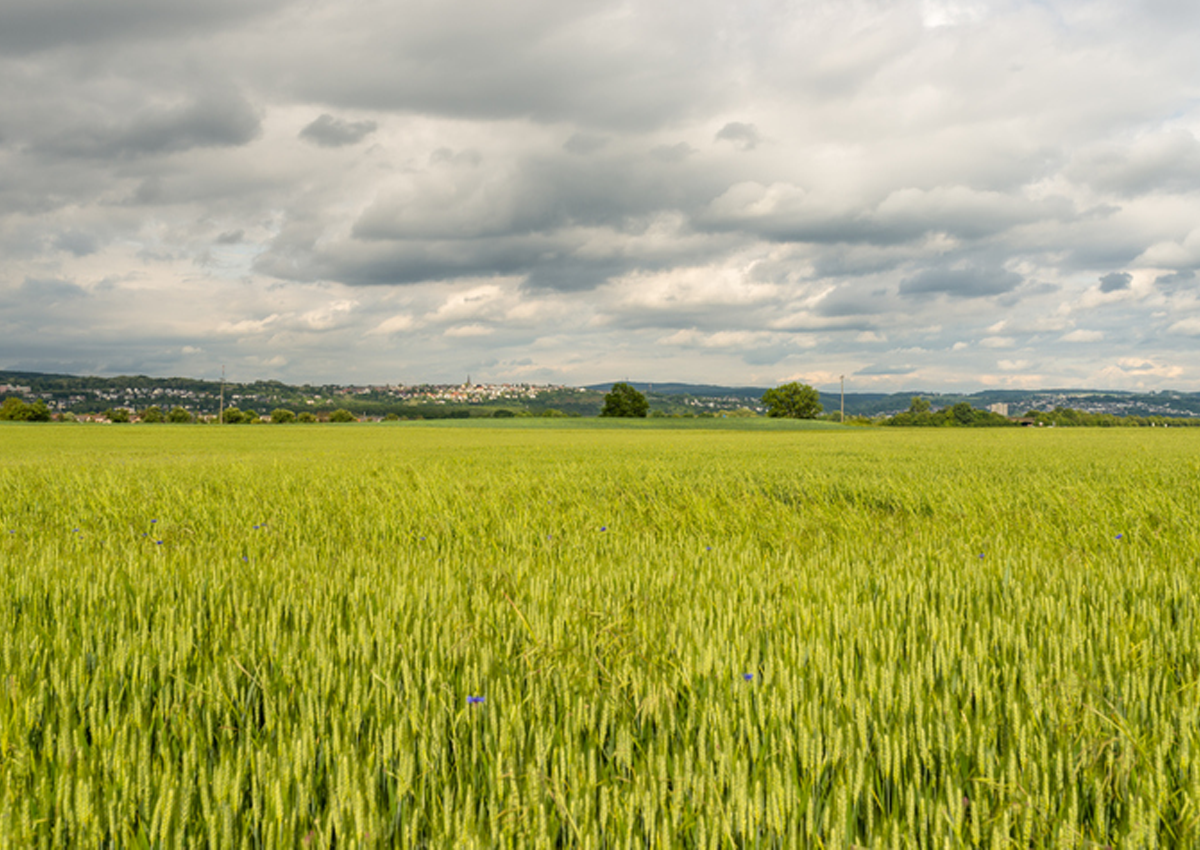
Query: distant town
{"type": "Point", "coordinates": [86, 397]}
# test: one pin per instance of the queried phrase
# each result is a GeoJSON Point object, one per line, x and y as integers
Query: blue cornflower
{"type": "Point", "coordinates": [981, 554]}
{"type": "Point", "coordinates": [154, 520]}
{"type": "Point", "coordinates": [474, 700]}
{"type": "Point", "coordinates": [747, 676]}
{"type": "Point", "coordinates": [604, 528]}
{"type": "Point", "coordinates": [157, 542]}
{"type": "Point", "coordinates": [1119, 536]}
{"type": "Point", "coordinates": [244, 558]}
{"type": "Point", "coordinates": [707, 548]}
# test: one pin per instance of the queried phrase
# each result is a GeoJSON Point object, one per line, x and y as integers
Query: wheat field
{"type": "Point", "coordinates": [546, 635]}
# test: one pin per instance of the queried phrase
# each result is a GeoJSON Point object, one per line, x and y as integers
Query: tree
{"type": "Point", "coordinates": [963, 413]}
{"type": "Point", "coordinates": [281, 415]}
{"type": "Point", "coordinates": [14, 409]}
{"type": "Point", "coordinates": [342, 415]}
{"type": "Point", "coordinates": [624, 400]}
{"type": "Point", "coordinates": [179, 416]}
{"type": "Point", "coordinates": [307, 417]}
{"type": "Point", "coordinates": [118, 414]}
{"type": "Point", "coordinates": [153, 413]}
{"type": "Point", "coordinates": [793, 401]}
{"type": "Point", "coordinates": [232, 416]}
{"type": "Point", "coordinates": [919, 405]}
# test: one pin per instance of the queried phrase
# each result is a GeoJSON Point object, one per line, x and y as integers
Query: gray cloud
{"type": "Point", "coordinates": [889, 369]}
{"type": "Point", "coordinates": [46, 292]}
{"type": "Point", "coordinates": [1115, 281]}
{"type": "Point", "coordinates": [672, 153]}
{"type": "Point", "coordinates": [330, 132]}
{"type": "Point", "coordinates": [34, 25]}
{"type": "Point", "coordinates": [745, 136]}
{"type": "Point", "coordinates": [585, 143]}
{"type": "Point", "coordinates": [218, 120]}
{"type": "Point", "coordinates": [76, 242]}
{"type": "Point", "coordinates": [538, 59]}
{"type": "Point", "coordinates": [1176, 280]}
{"type": "Point", "coordinates": [961, 282]}
{"type": "Point", "coordinates": [1166, 162]}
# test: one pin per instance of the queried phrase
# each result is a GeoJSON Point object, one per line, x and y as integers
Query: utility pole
{"type": "Point", "coordinates": [843, 419]}
{"type": "Point", "coordinates": [221, 404]}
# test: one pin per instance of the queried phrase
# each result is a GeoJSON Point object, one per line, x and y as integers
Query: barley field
{"type": "Point", "coordinates": [542, 634]}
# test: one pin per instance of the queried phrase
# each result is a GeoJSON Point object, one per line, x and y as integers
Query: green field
{"type": "Point", "coordinates": [553, 634]}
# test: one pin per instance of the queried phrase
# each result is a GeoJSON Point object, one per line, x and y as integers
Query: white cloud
{"type": "Point", "coordinates": [393, 324]}
{"type": "Point", "coordinates": [1186, 327]}
{"type": "Point", "coordinates": [468, 330]}
{"type": "Point", "coordinates": [1081, 335]}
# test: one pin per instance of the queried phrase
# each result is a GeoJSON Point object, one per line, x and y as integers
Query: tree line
{"type": "Point", "coordinates": [793, 400]}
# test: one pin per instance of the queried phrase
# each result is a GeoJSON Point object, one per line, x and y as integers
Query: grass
{"type": "Point", "coordinates": [682, 637]}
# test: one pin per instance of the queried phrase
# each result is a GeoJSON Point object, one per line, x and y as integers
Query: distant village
{"type": "Point", "coordinates": [94, 399]}
{"type": "Point", "coordinates": [207, 399]}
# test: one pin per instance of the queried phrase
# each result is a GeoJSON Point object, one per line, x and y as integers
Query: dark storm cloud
{"type": "Point", "coordinates": [330, 132]}
{"type": "Point", "coordinates": [1115, 281]}
{"type": "Point", "coordinates": [961, 282]}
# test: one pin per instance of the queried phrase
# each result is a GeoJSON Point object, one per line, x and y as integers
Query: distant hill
{"type": "Point", "coordinates": [1118, 402]}
{"type": "Point", "coordinates": [86, 394]}
{"type": "Point", "coordinates": [698, 390]}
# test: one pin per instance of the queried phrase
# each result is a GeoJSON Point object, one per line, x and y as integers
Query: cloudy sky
{"type": "Point", "coordinates": [914, 193]}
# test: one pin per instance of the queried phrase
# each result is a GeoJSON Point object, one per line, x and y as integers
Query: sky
{"type": "Point", "coordinates": [915, 194]}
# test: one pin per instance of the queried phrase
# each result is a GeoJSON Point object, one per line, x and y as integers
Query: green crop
{"type": "Point", "coordinates": [536, 636]}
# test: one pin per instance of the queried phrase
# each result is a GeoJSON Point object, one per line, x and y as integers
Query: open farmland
{"type": "Point", "coordinates": [527, 634]}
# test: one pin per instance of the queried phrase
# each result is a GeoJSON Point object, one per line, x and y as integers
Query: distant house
{"type": "Point", "coordinates": [999, 407]}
